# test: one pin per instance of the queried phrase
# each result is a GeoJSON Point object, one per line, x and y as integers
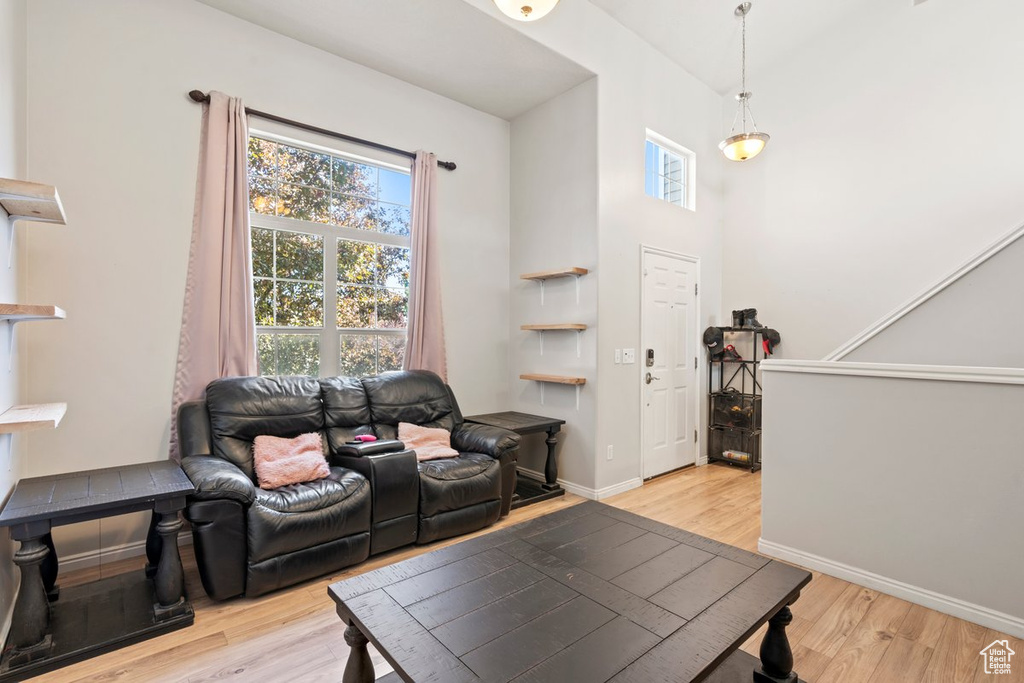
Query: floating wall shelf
{"type": "Point", "coordinates": [577, 327]}
{"type": "Point", "coordinates": [554, 379]}
{"type": "Point", "coordinates": [17, 313]}
{"type": "Point", "coordinates": [557, 327]}
{"type": "Point", "coordinates": [22, 200]}
{"type": "Point", "coordinates": [576, 382]}
{"type": "Point", "coordinates": [554, 274]}
{"type": "Point", "coordinates": [29, 417]}
{"type": "Point", "coordinates": [544, 275]}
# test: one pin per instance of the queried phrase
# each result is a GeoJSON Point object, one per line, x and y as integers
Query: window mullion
{"type": "Point", "coordinates": [329, 341]}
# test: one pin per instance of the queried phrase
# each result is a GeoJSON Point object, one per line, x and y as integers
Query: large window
{"type": "Point", "coordinates": [330, 252]}
{"type": "Point", "coordinates": [669, 171]}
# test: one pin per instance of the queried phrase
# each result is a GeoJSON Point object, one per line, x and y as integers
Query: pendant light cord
{"type": "Point", "coordinates": [743, 68]}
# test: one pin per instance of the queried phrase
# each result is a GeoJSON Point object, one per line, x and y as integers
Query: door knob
{"type": "Point", "coordinates": [648, 378]}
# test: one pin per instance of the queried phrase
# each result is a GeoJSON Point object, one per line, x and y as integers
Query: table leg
{"type": "Point", "coordinates": [49, 569]}
{"type": "Point", "coordinates": [551, 466]}
{"type": "Point", "coordinates": [31, 617]}
{"type": "Point", "coordinates": [359, 668]}
{"type": "Point", "coordinates": [776, 654]}
{"type": "Point", "coordinates": [170, 578]}
{"type": "Point", "coordinates": [154, 546]}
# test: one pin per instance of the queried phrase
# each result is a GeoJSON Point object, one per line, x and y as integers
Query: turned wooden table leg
{"type": "Point", "coordinates": [776, 654]}
{"type": "Point", "coordinates": [551, 465]}
{"type": "Point", "coordinates": [170, 577]}
{"type": "Point", "coordinates": [154, 546]}
{"type": "Point", "coordinates": [49, 569]}
{"type": "Point", "coordinates": [30, 620]}
{"type": "Point", "coordinates": [359, 668]}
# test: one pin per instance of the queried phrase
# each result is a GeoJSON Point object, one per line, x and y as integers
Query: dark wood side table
{"type": "Point", "coordinates": [103, 615]}
{"type": "Point", "coordinates": [528, 489]}
{"type": "Point", "coordinates": [588, 593]}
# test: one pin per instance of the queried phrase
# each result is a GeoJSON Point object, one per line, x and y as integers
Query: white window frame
{"type": "Point", "coordinates": [330, 233]}
{"type": "Point", "coordinates": [689, 159]}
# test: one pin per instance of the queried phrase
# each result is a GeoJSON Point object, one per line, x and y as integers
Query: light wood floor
{"type": "Point", "coordinates": [840, 631]}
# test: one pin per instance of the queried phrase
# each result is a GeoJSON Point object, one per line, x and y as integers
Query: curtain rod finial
{"type": "Point", "coordinates": [198, 96]}
{"type": "Point", "coordinates": [447, 165]}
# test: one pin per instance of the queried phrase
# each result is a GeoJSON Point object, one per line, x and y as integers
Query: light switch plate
{"type": "Point", "coordinates": [618, 355]}
{"type": "Point", "coordinates": [628, 356]}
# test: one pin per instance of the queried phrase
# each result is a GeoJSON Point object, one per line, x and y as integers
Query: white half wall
{"type": "Point", "coordinates": [12, 165]}
{"type": "Point", "coordinates": [110, 124]}
{"type": "Point", "coordinates": [901, 478]}
{"type": "Point", "coordinates": [883, 173]}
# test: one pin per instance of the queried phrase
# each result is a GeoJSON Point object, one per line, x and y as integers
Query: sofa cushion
{"type": "Point", "coordinates": [455, 483]}
{"type": "Point", "coordinates": [300, 516]}
{"type": "Point", "coordinates": [281, 462]}
{"type": "Point", "coordinates": [430, 443]}
{"type": "Point", "coordinates": [242, 408]}
{"type": "Point", "coordinates": [346, 410]}
{"type": "Point", "coordinates": [416, 396]}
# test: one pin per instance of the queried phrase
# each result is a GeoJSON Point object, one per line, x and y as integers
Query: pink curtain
{"type": "Point", "coordinates": [424, 348]}
{"type": "Point", "coordinates": [218, 323]}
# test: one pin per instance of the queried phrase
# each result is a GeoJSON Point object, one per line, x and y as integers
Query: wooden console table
{"type": "Point", "coordinates": [106, 614]}
{"type": "Point", "coordinates": [529, 490]}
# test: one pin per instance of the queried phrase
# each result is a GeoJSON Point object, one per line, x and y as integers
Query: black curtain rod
{"type": "Point", "coordinates": [200, 96]}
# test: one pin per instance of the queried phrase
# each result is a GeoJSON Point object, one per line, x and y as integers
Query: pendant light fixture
{"type": "Point", "coordinates": [526, 10]}
{"type": "Point", "coordinates": [742, 146]}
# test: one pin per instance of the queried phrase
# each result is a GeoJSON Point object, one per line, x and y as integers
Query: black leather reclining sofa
{"type": "Point", "coordinates": [251, 541]}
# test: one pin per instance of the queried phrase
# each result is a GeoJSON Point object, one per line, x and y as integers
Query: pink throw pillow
{"type": "Point", "coordinates": [280, 462]}
{"type": "Point", "coordinates": [428, 442]}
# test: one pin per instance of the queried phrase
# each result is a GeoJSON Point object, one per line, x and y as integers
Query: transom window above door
{"type": "Point", "coordinates": [331, 259]}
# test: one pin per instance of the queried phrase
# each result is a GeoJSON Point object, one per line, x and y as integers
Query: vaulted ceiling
{"type": "Point", "coordinates": [426, 43]}
{"type": "Point", "coordinates": [703, 36]}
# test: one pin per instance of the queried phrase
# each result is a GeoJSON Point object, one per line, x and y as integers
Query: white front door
{"type": "Point", "coordinates": [668, 362]}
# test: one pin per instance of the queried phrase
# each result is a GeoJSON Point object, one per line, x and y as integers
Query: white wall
{"type": "Point", "coordinates": [888, 166]}
{"type": "Point", "coordinates": [554, 225]}
{"type": "Point", "coordinates": [12, 165]}
{"type": "Point", "coordinates": [111, 126]}
{"type": "Point", "coordinates": [910, 485]}
{"type": "Point", "coordinates": [638, 88]}
{"type": "Point", "coordinates": [976, 321]}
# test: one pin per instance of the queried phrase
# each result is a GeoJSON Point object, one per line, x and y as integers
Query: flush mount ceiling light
{"type": "Point", "coordinates": [526, 10]}
{"type": "Point", "coordinates": [742, 146]}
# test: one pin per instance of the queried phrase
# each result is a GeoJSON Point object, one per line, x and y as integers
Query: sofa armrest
{"type": "Point", "coordinates": [217, 479]}
{"type": "Point", "coordinates": [477, 438]}
{"type": "Point", "coordinates": [193, 429]}
{"type": "Point", "coordinates": [351, 450]}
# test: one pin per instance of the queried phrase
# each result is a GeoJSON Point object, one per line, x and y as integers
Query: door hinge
{"type": "Point", "coordinates": [695, 362]}
{"type": "Point", "coordinates": [696, 288]}
{"type": "Point", "coordinates": [695, 436]}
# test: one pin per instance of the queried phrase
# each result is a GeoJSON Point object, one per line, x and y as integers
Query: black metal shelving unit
{"type": "Point", "coordinates": [734, 403]}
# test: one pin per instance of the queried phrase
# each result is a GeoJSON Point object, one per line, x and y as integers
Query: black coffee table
{"type": "Point", "coordinates": [590, 593]}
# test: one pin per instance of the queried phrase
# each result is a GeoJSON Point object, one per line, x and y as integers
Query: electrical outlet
{"type": "Point", "coordinates": [611, 451]}
{"type": "Point", "coordinates": [628, 356]}
{"type": "Point", "coordinates": [618, 355]}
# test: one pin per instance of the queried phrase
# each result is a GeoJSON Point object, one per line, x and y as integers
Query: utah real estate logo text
{"type": "Point", "coordinates": [997, 657]}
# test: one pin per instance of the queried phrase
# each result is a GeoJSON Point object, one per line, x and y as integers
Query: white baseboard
{"type": "Point", "coordinates": [999, 621]}
{"type": "Point", "coordinates": [615, 489]}
{"type": "Point", "coordinates": [93, 558]}
{"type": "Point", "coordinates": [586, 491]}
